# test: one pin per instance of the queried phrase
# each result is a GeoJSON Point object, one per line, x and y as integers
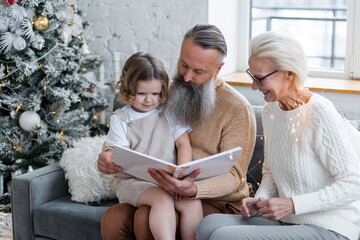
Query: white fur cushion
{"type": "Point", "coordinates": [86, 183]}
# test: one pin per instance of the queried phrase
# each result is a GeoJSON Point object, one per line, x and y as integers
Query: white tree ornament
{"type": "Point", "coordinates": [28, 120]}
{"type": "Point", "coordinates": [19, 43]}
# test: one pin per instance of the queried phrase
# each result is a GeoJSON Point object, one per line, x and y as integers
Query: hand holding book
{"type": "Point", "coordinates": [137, 164]}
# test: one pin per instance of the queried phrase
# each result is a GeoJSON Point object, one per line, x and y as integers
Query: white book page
{"type": "Point", "coordinates": [212, 165]}
{"type": "Point", "coordinates": [137, 164]}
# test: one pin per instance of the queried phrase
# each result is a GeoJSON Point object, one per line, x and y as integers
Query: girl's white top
{"type": "Point", "coordinates": [117, 134]}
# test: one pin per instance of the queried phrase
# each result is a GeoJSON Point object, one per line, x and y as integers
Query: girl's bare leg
{"type": "Point", "coordinates": [191, 215]}
{"type": "Point", "coordinates": [162, 213]}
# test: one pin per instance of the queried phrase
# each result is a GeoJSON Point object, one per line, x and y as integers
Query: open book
{"type": "Point", "coordinates": [137, 164]}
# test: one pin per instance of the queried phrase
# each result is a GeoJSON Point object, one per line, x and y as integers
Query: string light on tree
{"type": "Point", "coordinates": [16, 146]}
{"type": "Point", "coordinates": [29, 120]}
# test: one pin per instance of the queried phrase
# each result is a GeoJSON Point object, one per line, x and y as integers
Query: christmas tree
{"type": "Point", "coordinates": [49, 95]}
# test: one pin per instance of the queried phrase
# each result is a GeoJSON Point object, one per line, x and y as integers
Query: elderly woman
{"type": "Point", "coordinates": [311, 175]}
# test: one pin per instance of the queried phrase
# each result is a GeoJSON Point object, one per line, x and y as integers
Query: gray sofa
{"type": "Point", "coordinates": [42, 208]}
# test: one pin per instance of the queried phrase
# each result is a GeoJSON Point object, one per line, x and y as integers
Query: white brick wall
{"type": "Point", "coordinates": [128, 26]}
{"type": "Point", "coordinates": [158, 26]}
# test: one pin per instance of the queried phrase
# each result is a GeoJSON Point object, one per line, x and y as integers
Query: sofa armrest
{"type": "Point", "coordinates": [31, 190]}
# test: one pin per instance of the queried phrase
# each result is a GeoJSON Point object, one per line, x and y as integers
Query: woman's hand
{"type": "Point", "coordinates": [275, 208]}
{"type": "Point", "coordinates": [249, 208]}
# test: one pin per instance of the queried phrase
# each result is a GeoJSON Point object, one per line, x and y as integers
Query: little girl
{"type": "Point", "coordinates": [143, 126]}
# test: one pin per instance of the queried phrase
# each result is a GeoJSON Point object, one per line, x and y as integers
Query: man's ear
{"type": "Point", "coordinates": [218, 69]}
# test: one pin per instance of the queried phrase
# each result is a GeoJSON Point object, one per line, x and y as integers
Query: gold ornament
{"type": "Point", "coordinates": [41, 23]}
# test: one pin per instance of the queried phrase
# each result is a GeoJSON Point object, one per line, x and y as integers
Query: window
{"type": "Point", "coordinates": [325, 28]}
{"type": "Point", "coordinates": [320, 26]}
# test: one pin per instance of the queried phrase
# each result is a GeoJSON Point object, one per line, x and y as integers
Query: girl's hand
{"type": "Point", "coordinates": [249, 208]}
{"type": "Point", "coordinates": [105, 164]}
{"type": "Point", "coordinates": [275, 208]}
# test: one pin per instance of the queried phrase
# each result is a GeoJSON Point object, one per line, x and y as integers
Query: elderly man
{"type": "Point", "coordinates": [221, 119]}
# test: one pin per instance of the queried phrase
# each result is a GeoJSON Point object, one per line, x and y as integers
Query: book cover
{"type": "Point", "coordinates": [137, 164]}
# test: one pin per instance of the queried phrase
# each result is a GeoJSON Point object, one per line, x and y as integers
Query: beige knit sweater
{"type": "Point", "coordinates": [231, 124]}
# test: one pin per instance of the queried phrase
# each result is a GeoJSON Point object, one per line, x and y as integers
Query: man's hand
{"type": "Point", "coordinates": [178, 197]}
{"type": "Point", "coordinates": [275, 208]}
{"type": "Point", "coordinates": [249, 208]}
{"type": "Point", "coordinates": [185, 187]}
{"type": "Point", "coordinates": [105, 164]}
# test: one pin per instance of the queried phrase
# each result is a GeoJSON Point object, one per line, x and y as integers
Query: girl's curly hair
{"type": "Point", "coordinates": [141, 66]}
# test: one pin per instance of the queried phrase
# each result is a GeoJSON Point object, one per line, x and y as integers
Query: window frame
{"type": "Point", "coordinates": [352, 57]}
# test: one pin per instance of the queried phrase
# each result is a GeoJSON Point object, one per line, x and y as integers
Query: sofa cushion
{"type": "Point", "coordinates": [254, 172]}
{"type": "Point", "coordinates": [65, 219]}
{"type": "Point", "coordinates": [86, 183]}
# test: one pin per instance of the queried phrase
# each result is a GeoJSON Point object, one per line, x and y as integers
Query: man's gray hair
{"type": "Point", "coordinates": [208, 37]}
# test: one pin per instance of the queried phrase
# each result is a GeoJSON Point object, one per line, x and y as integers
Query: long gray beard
{"type": "Point", "coordinates": [191, 103]}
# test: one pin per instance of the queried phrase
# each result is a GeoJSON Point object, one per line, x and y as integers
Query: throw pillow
{"type": "Point", "coordinates": [86, 183]}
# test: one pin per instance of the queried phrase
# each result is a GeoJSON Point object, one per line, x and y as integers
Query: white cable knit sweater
{"type": "Point", "coordinates": [312, 155]}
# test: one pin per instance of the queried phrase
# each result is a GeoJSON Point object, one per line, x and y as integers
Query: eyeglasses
{"type": "Point", "coordinates": [258, 80]}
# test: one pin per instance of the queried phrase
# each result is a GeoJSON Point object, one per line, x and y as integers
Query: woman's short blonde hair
{"type": "Point", "coordinates": [284, 51]}
{"type": "Point", "coordinates": [141, 66]}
